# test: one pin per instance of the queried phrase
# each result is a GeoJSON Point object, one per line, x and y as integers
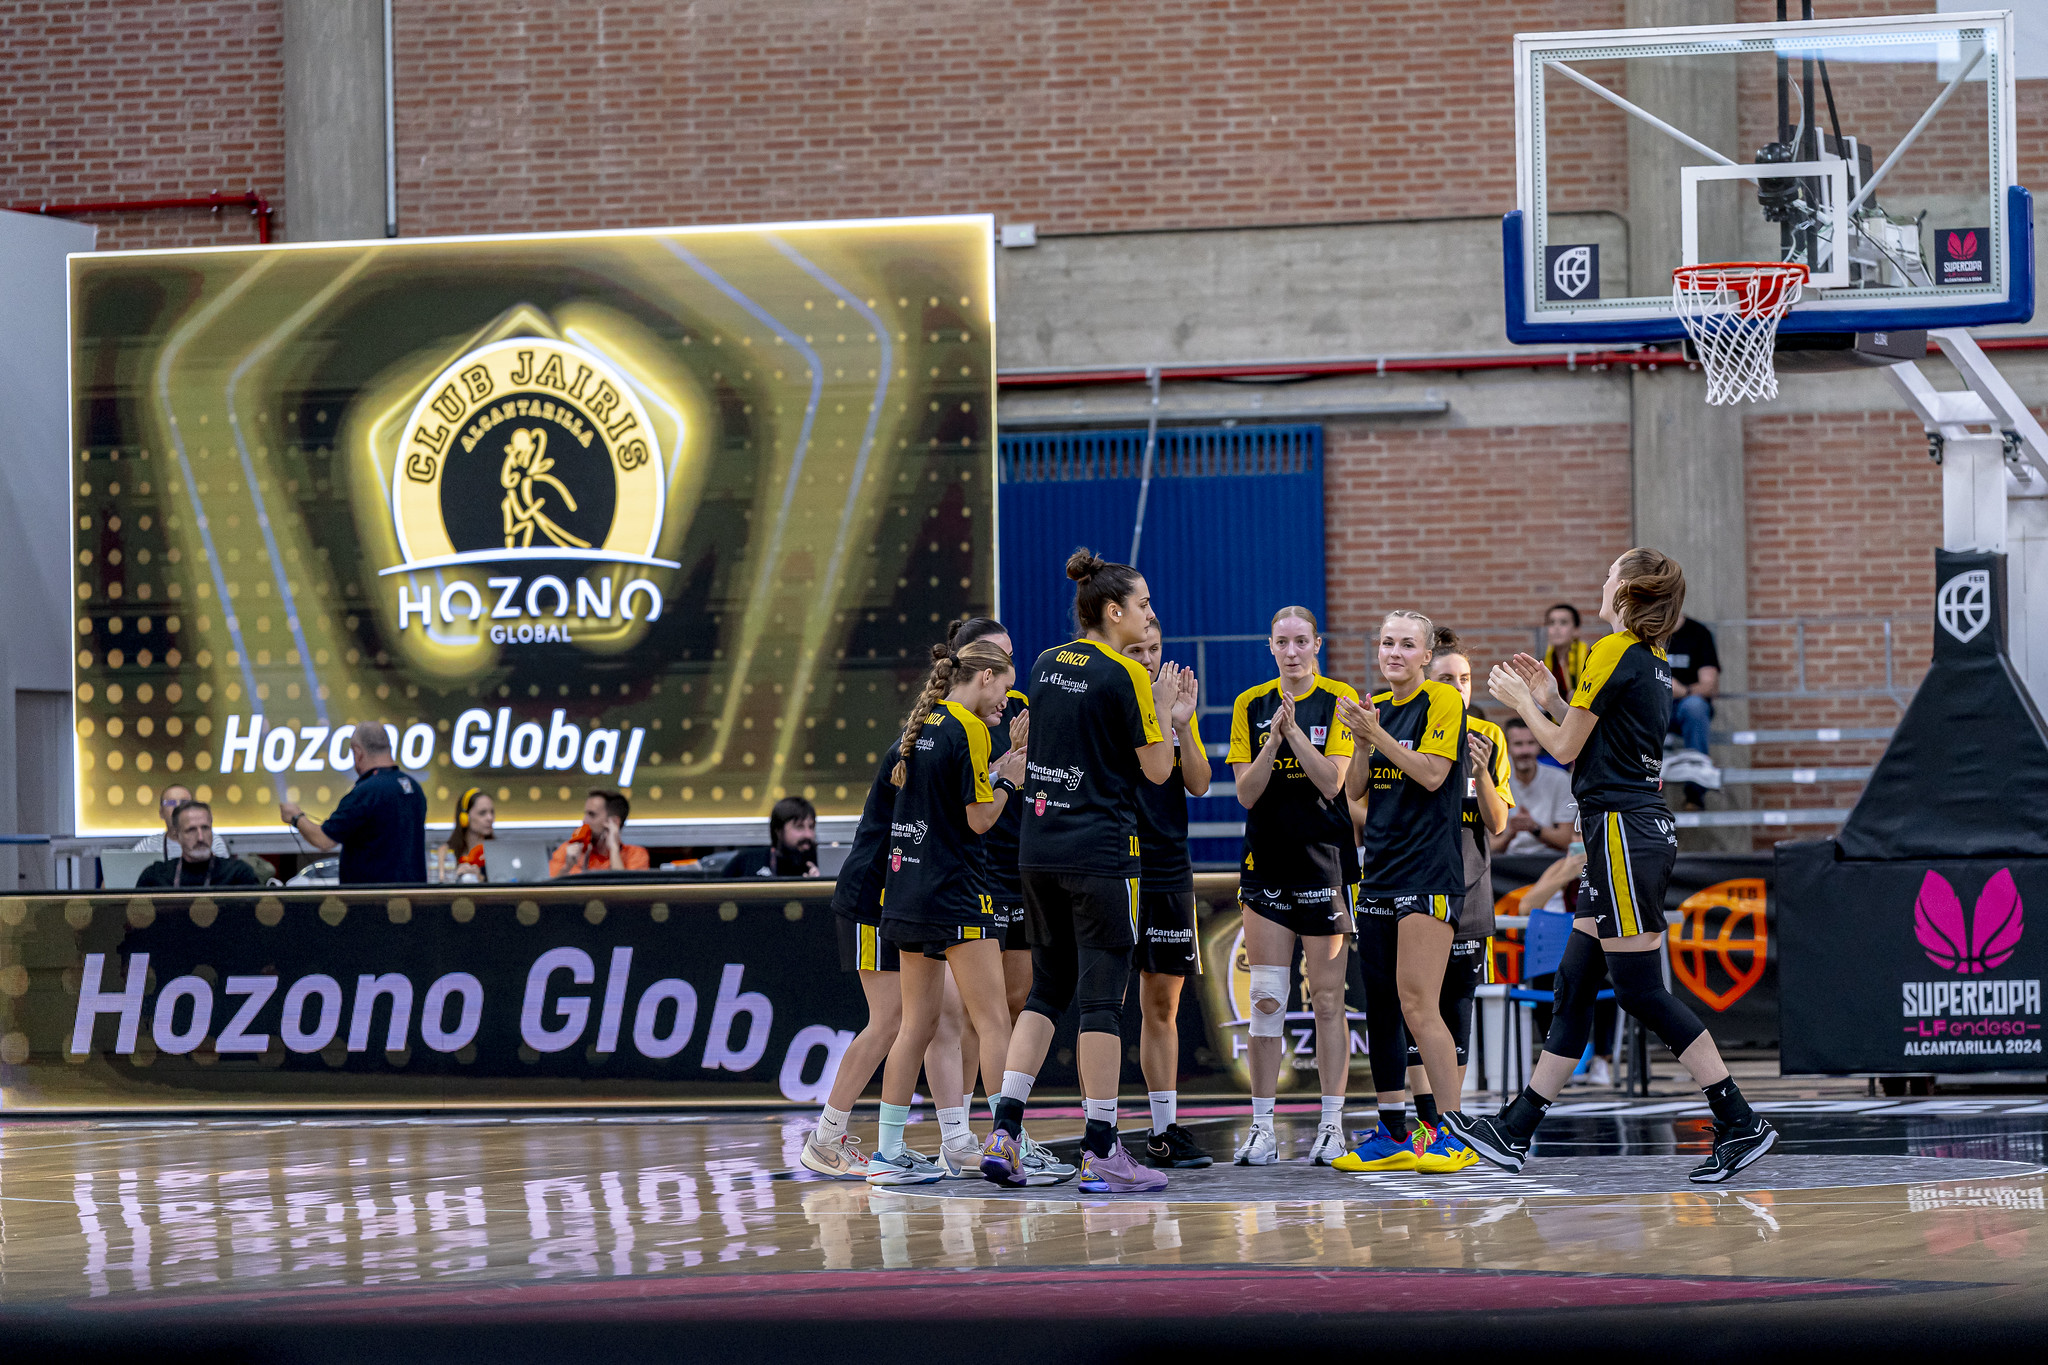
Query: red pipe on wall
{"type": "Point", "coordinates": [1320, 369]}
{"type": "Point", "coordinates": [258, 206]}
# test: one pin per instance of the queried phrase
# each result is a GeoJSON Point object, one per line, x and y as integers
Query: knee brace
{"type": "Point", "coordinates": [1052, 983]}
{"type": "Point", "coordinates": [1104, 978]}
{"type": "Point", "coordinates": [1639, 989]}
{"type": "Point", "coordinates": [1577, 992]}
{"type": "Point", "coordinates": [1269, 983]}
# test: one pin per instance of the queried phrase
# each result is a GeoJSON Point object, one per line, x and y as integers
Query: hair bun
{"type": "Point", "coordinates": [1444, 641]}
{"type": "Point", "coordinates": [1084, 564]}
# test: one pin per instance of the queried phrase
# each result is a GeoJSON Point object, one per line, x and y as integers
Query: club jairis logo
{"type": "Point", "coordinates": [530, 449]}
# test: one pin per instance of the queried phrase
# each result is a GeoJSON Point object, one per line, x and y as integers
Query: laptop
{"type": "Point", "coordinates": [119, 868]}
{"type": "Point", "coordinates": [516, 860]}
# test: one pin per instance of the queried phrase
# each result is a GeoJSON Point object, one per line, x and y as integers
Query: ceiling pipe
{"type": "Point", "coordinates": [259, 207]}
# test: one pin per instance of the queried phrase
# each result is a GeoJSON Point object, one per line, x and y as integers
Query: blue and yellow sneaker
{"type": "Point", "coordinates": [1444, 1152]}
{"type": "Point", "coordinates": [1382, 1151]}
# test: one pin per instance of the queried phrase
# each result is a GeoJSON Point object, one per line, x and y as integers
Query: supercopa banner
{"type": "Point", "coordinates": [675, 511]}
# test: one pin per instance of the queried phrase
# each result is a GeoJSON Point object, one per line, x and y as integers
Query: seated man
{"type": "Point", "coordinates": [1542, 818]}
{"type": "Point", "coordinates": [196, 864]}
{"type": "Point", "coordinates": [792, 844]}
{"type": "Point", "coordinates": [1695, 681]}
{"type": "Point", "coordinates": [597, 846]}
{"type": "Point", "coordinates": [165, 845]}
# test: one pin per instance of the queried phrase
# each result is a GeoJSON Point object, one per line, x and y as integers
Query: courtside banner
{"type": "Point", "coordinates": [1908, 966]}
{"type": "Point", "coordinates": [517, 996]}
{"type": "Point", "coordinates": [676, 511]}
{"type": "Point", "coordinates": [1720, 912]}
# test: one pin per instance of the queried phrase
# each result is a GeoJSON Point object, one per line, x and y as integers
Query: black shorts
{"type": "Point", "coordinates": [1629, 858]}
{"type": "Point", "coordinates": [1401, 904]}
{"type": "Point", "coordinates": [1062, 908]}
{"type": "Point", "coordinates": [863, 949]}
{"type": "Point", "coordinates": [932, 940]}
{"type": "Point", "coordinates": [1010, 914]}
{"type": "Point", "coordinates": [1469, 968]}
{"type": "Point", "coordinates": [1312, 913]}
{"type": "Point", "coordinates": [1166, 934]}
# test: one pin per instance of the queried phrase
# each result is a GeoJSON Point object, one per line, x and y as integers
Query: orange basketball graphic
{"type": "Point", "coordinates": [1738, 943]}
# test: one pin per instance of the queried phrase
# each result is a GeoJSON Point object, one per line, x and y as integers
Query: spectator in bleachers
{"type": "Point", "coordinates": [1541, 820]}
{"type": "Point", "coordinates": [1564, 652]}
{"type": "Point", "coordinates": [1695, 679]}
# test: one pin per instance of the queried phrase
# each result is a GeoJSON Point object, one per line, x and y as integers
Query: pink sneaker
{"type": "Point", "coordinates": [1117, 1173]}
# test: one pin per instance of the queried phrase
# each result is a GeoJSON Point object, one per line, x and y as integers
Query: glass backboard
{"type": "Point", "coordinates": [1876, 152]}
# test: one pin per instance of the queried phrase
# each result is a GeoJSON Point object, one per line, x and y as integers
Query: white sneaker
{"type": "Point", "coordinates": [1041, 1167]}
{"type": "Point", "coordinates": [841, 1160]}
{"type": "Point", "coordinates": [962, 1159]}
{"type": "Point", "coordinates": [904, 1168]}
{"type": "Point", "coordinates": [1329, 1144]}
{"type": "Point", "coordinates": [1600, 1073]}
{"type": "Point", "coordinates": [1259, 1148]}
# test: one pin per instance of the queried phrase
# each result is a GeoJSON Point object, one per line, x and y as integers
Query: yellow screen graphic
{"type": "Point", "coordinates": [675, 511]}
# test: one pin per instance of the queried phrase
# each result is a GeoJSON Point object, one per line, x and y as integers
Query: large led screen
{"type": "Point", "coordinates": [675, 511]}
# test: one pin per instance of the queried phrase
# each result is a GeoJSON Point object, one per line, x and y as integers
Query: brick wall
{"type": "Point", "coordinates": [1079, 116]}
{"type": "Point", "coordinates": [143, 99]}
{"type": "Point", "coordinates": [1480, 527]}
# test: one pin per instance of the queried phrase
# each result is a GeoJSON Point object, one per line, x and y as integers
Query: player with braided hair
{"type": "Point", "coordinates": [938, 904]}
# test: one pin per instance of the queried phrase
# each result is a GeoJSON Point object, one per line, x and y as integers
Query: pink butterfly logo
{"type": "Point", "coordinates": [1970, 944]}
{"type": "Point", "coordinates": [1962, 247]}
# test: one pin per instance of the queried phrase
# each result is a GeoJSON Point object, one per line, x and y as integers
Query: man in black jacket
{"type": "Point", "coordinates": [196, 866]}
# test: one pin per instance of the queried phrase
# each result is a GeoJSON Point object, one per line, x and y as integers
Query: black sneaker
{"type": "Point", "coordinates": [1176, 1150]}
{"type": "Point", "coordinates": [1736, 1145]}
{"type": "Point", "coordinates": [1489, 1137]}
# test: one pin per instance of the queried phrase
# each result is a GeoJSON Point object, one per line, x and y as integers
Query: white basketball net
{"type": "Point", "coordinates": [1731, 311]}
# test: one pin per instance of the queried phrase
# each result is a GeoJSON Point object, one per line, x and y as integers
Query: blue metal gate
{"type": "Point", "coordinates": [1233, 532]}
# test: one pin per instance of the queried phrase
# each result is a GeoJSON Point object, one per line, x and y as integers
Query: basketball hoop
{"type": "Point", "coordinates": [1731, 311]}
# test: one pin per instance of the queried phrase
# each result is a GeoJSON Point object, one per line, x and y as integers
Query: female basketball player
{"type": "Point", "coordinates": [1290, 752]}
{"type": "Point", "coordinates": [1413, 888]}
{"type": "Point", "coordinates": [1095, 735]}
{"type": "Point", "coordinates": [938, 896]}
{"type": "Point", "coordinates": [476, 815]}
{"type": "Point", "coordinates": [1483, 815]}
{"type": "Point", "coordinates": [1612, 735]}
{"type": "Point", "coordinates": [1167, 953]}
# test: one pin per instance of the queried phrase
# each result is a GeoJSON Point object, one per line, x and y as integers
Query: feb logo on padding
{"type": "Point", "coordinates": [1964, 604]}
{"type": "Point", "coordinates": [1571, 274]}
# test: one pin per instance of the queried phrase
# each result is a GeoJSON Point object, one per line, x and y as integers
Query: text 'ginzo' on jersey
{"type": "Point", "coordinates": [1627, 684]}
{"type": "Point", "coordinates": [1091, 711]}
{"type": "Point", "coordinates": [938, 870]}
{"type": "Point", "coordinates": [1412, 833]}
{"type": "Point", "coordinates": [1295, 838]}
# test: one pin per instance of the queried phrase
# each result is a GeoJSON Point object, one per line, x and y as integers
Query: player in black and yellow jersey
{"type": "Point", "coordinates": [938, 897]}
{"type": "Point", "coordinates": [1290, 751]}
{"type": "Point", "coordinates": [1168, 953]}
{"type": "Point", "coordinates": [1484, 814]}
{"type": "Point", "coordinates": [857, 907]}
{"type": "Point", "coordinates": [1612, 735]}
{"type": "Point", "coordinates": [1095, 734]}
{"type": "Point", "coordinates": [1412, 890]}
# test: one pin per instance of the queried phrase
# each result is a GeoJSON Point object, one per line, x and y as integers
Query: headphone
{"type": "Point", "coordinates": [462, 806]}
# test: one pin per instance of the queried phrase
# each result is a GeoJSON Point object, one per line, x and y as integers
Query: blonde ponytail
{"type": "Point", "coordinates": [949, 666]}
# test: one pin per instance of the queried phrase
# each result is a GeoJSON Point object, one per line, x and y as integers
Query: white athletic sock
{"type": "Point", "coordinates": [953, 1125]}
{"type": "Point", "coordinates": [1262, 1113]}
{"type": "Point", "coordinates": [832, 1124]}
{"type": "Point", "coordinates": [890, 1140]}
{"type": "Point", "coordinates": [1017, 1085]}
{"type": "Point", "coordinates": [1099, 1111]}
{"type": "Point", "coordinates": [1333, 1110]}
{"type": "Point", "coordinates": [1165, 1108]}
{"type": "Point", "coordinates": [967, 1100]}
